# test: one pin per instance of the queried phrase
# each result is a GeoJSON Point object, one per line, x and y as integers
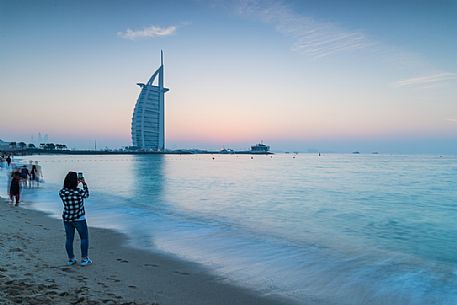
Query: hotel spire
{"type": "Point", "coordinates": [148, 121]}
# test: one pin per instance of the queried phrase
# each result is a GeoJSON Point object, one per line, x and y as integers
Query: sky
{"type": "Point", "coordinates": [331, 76]}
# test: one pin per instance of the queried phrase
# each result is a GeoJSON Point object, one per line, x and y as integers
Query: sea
{"type": "Point", "coordinates": [332, 229]}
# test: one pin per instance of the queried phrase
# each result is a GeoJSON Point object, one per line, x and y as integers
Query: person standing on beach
{"type": "Point", "coordinates": [39, 174]}
{"type": "Point", "coordinates": [74, 216]}
{"type": "Point", "coordinates": [25, 174]}
{"type": "Point", "coordinates": [8, 160]}
{"type": "Point", "coordinates": [15, 187]}
{"type": "Point", "coordinates": [33, 176]}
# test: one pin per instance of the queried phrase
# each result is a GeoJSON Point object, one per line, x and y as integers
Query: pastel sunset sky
{"type": "Point", "coordinates": [326, 75]}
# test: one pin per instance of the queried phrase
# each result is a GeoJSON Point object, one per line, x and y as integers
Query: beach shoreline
{"type": "Point", "coordinates": [34, 271]}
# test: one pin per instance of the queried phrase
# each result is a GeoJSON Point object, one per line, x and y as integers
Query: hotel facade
{"type": "Point", "coordinates": [148, 121]}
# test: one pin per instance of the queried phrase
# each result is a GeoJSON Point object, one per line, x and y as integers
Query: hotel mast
{"type": "Point", "coordinates": [148, 121]}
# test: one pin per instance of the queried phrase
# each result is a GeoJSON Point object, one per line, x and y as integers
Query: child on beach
{"type": "Point", "coordinates": [74, 216]}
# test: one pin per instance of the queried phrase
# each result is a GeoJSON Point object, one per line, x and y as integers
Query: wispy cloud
{"type": "Point", "coordinates": [452, 120]}
{"type": "Point", "coordinates": [311, 37]}
{"type": "Point", "coordinates": [426, 80]}
{"type": "Point", "coordinates": [148, 32]}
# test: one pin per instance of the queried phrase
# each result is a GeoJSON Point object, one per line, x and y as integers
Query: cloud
{"type": "Point", "coordinates": [148, 32]}
{"type": "Point", "coordinates": [452, 120]}
{"type": "Point", "coordinates": [313, 38]}
{"type": "Point", "coordinates": [432, 79]}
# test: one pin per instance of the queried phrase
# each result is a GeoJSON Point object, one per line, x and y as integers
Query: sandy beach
{"type": "Point", "coordinates": [33, 269]}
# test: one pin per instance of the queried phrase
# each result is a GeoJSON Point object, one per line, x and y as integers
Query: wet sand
{"type": "Point", "coordinates": [33, 269]}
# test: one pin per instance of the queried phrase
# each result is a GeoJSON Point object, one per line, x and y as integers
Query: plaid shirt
{"type": "Point", "coordinates": [73, 202]}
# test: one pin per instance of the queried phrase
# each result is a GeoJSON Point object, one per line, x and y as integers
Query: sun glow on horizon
{"type": "Point", "coordinates": [288, 72]}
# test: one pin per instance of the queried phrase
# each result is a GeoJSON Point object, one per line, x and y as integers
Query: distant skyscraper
{"type": "Point", "coordinates": [148, 121]}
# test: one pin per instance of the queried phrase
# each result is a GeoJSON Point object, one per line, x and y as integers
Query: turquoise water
{"type": "Point", "coordinates": [335, 229]}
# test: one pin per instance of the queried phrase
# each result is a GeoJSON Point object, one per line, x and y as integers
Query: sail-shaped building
{"type": "Point", "coordinates": [148, 121]}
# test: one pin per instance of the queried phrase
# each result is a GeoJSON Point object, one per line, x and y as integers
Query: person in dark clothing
{"type": "Point", "coordinates": [74, 216]}
{"type": "Point", "coordinates": [8, 160]}
{"type": "Point", "coordinates": [33, 176]}
{"type": "Point", "coordinates": [24, 175]}
{"type": "Point", "coordinates": [15, 187]}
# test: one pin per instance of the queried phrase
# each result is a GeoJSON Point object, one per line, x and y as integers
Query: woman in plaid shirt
{"type": "Point", "coordinates": [74, 216]}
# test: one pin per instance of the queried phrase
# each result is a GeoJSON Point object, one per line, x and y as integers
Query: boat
{"type": "Point", "coordinates": [260, 148]}
{"type": "Point", "coordinates": [227, 151]}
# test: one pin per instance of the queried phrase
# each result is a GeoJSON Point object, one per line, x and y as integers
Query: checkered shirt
{"type": "Point", "coordinates": [73, 202]}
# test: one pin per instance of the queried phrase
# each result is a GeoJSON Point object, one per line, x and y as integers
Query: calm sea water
{"type": "Point", "coordinates": [335, 229]}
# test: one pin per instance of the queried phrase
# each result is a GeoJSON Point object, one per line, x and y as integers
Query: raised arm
{"type": "Point", "coordinates": [85, 191]}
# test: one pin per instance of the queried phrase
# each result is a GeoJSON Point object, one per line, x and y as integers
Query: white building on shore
{"type": "Point", "coordinates": [148, 121]}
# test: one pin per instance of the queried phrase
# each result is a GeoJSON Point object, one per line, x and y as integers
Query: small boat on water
{"type": "Point", "coordinates": [227, 151]}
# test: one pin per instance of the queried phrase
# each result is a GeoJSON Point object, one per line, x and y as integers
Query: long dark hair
{"type": "Point", "coordinates": [71, 180]}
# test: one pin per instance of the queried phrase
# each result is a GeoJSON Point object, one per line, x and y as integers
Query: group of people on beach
{"type": "Point", "coordinates": [74, 215]}
{"type": "Point", "coordinates": [20, 176]}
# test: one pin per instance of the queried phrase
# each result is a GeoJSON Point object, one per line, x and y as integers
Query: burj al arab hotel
{"type": "Point", "coordinates": [148, 121]}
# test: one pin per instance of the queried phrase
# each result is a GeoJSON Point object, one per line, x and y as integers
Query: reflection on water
{"type": "Point", "coordinates": [339, 229]}
{"type": "Point", "coordinates": [147, 176]}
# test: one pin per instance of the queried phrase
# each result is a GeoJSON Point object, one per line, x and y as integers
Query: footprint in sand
{"type": "Point", "coordinates": [67, 269]}
{"type": "Point", "coordinates": [102, 284]}
{"type": "Point", "coordinates": [80, 300]}
{"type": "Point", "coordinates": [181, 273]}
{"type": "Point", "coordinates": [114, 279]}
{"type": "Point", "coordinates": [132, 286]}
{"type": "Point", "coordinates": [121, 260]}
{"type": "Point", "coordinates": [81, 290]}
{"type": "Point", "coordinates": [52, 286]}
